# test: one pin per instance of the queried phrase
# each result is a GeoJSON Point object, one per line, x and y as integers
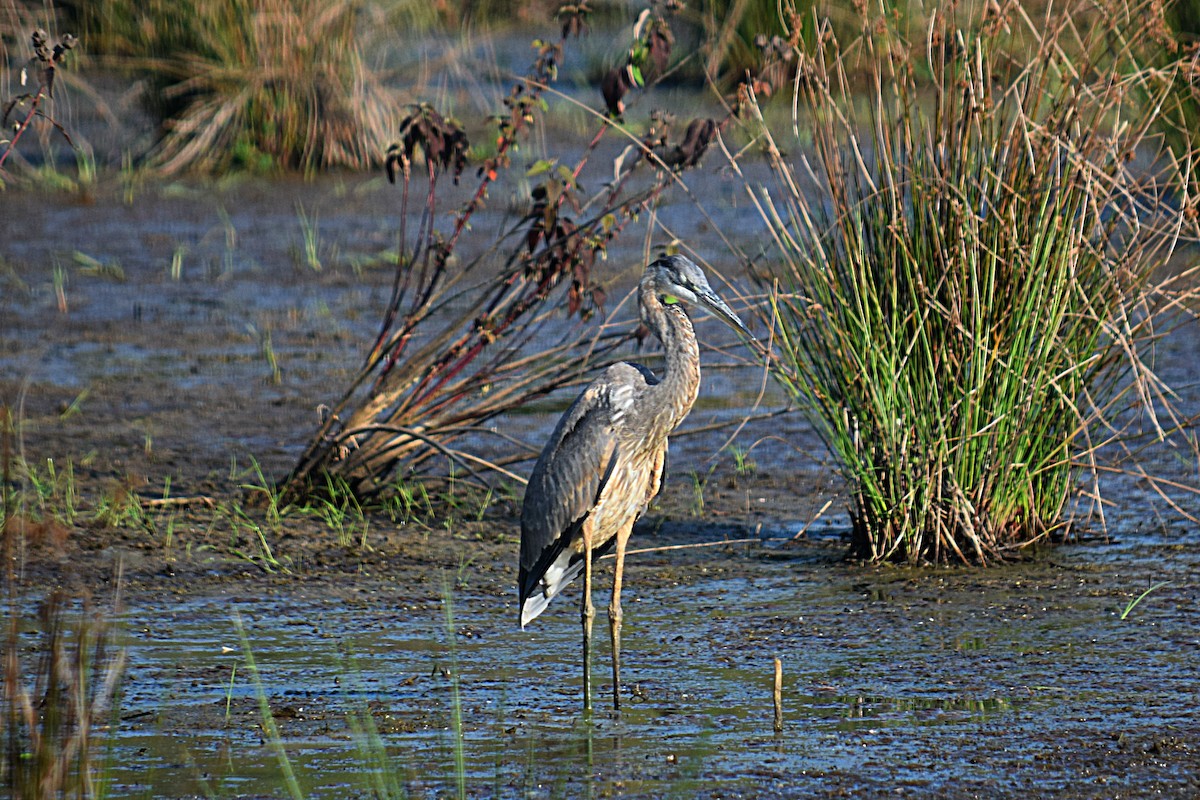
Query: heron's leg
{"type": "Point", "coordinates": [587, 613]}
{"type": "Point", "coordinates": [614, 618]}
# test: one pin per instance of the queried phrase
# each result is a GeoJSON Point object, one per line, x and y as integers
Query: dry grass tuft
{"type": "Point", "coordinates": [259, 84]}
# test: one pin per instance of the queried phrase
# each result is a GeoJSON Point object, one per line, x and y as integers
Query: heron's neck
{"type": "Point", "coordinates": [681, 381]}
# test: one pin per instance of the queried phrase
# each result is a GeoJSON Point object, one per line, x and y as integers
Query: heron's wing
{"type": "Point", "coordinates": [567, 481]}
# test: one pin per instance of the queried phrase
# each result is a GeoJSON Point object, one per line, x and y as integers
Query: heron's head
{"type": "Point", "coordinates": [677, 279]}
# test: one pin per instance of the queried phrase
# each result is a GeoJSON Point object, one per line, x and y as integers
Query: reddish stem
{"type": "Point", "coordinates": [37, 98]}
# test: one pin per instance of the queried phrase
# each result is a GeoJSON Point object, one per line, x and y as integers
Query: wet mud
{"type": "Point", "coordinates": [151, 380]}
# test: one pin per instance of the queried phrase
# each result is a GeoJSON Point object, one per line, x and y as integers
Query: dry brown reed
{"type": "Point", "coordinates": [57, 710]}
{"type": "Point", "coordinates": [263, 84]}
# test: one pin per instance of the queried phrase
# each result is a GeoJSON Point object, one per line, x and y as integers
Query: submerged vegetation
{"type": "Point", "coordinates": [976, 267]}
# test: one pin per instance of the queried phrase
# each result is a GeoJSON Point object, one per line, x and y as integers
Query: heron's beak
{"type": "Point", "coordinates": [722, 311]}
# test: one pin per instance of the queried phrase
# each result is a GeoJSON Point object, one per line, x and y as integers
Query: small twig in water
{"type": "Point", "coordinates": [778, 695]}
{"type": "Point", "coordinates": [174, 502]}
{"type": "Point", "coordinates": [808, 524]}
{"type": "Point", "coordinates": [665, 548]}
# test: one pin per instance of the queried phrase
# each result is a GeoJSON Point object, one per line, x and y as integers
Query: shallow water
{"type": "Point", "coordinates": [1019, 681]}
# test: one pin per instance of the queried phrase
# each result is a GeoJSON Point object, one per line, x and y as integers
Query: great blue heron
{"type": "Point", "coordinates": [604, 462]}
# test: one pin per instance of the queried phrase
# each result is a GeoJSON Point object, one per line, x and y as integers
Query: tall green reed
{"type": "Point", "coordinates": [972, 267]}
{"type": "Point", "coordinates": [270, 730]}
{"type": "Point", "coordinates": [456, 711]}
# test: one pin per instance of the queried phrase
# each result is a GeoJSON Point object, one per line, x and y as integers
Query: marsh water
{"type": "Point", "coordinates": [1023, 682]}
{"type": "Point", "coordinates": [134, 347]}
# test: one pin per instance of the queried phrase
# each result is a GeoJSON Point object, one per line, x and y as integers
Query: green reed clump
{"type": "Point", "coordinates": [258, 84]}
{"type": "Point", "coordinates": [970, 283]}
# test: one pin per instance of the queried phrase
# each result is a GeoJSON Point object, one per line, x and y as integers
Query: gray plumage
{"type": "Point", "coordinates": [604, 462]}
{"type": "Point", "coordinates": [567, 483]}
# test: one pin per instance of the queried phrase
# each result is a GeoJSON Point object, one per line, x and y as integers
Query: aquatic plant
{"type": "Point", "coordinates": [464, 339]}
{"type": "Point", "coordinates": [741, 32]}
{"type": "Point", "coordinates": [1134, 601]}
{"type": "Point", "coordinates": [117, 27]}
{"type": "Point", "coordinates": [1182, 40]}
{"type": "Point", "coordinates": [974, 267]}
{"type": "Point", "coordinates": [270, 729]}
